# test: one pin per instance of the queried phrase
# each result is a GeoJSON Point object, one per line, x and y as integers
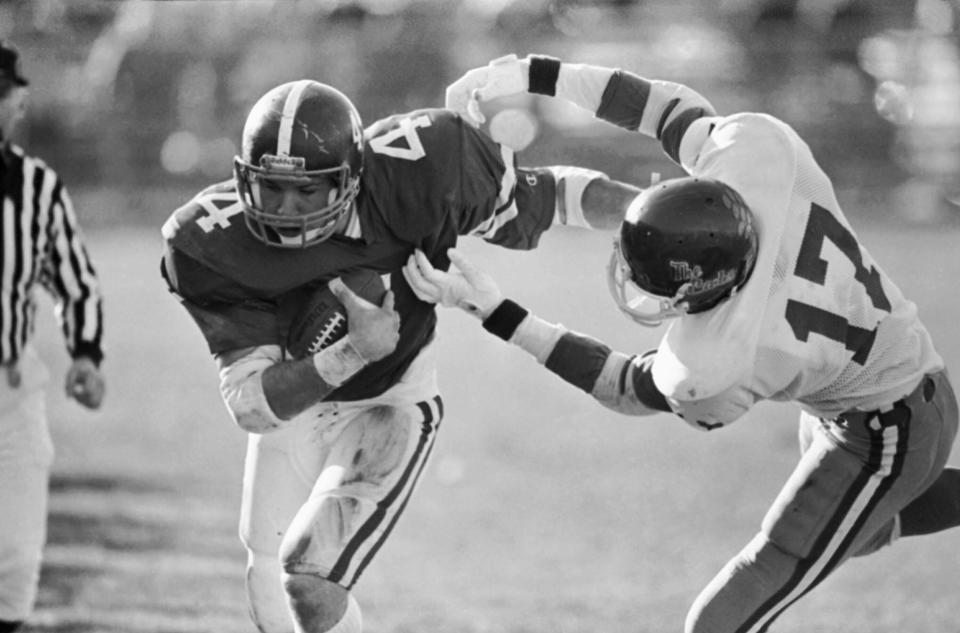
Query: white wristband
{"type": "Point", "coordinates": [337, 363]}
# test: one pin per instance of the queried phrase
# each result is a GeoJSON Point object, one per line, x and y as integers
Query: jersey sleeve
{"type": "Point", "coordinates": [227, 316]}
{"type": "Point", "coordinates": [523, 210]}
{"type": "Point", "coordinates": [69, 275]}
{"type": "Point", "coordinates": [500, 202]}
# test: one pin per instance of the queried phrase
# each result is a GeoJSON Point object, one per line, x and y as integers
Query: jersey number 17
{"type": "Point", "coordinates": [805, 318]}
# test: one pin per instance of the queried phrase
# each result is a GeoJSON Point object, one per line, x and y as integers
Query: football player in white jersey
{"type": "Point", "coordinates": [770, 296]}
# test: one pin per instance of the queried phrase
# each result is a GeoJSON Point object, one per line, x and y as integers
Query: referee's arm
{"type": "Point", "coordinates": [70, 277]}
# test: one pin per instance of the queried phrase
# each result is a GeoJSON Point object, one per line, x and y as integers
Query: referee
{"type": "Point", "coordinates": [40, 246]}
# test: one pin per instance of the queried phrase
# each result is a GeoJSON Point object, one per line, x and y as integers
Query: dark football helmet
{"type": "Point", "coordinates": [300, 132]}
{"type": "Point", "coordinates": [685, 245]}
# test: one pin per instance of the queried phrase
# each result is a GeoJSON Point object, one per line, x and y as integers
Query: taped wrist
{"type": "Point", "coordinates": [543, 75]}
{"type": "Point", "coordinates": [505, 319]}
{"type": "Point", "coordinates": [339, 362]}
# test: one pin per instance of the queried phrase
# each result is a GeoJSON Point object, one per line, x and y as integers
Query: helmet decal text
{"type": "Point", "coordinates": [683, 271]}
{"type": "Point", "coordinates": [283, 163]}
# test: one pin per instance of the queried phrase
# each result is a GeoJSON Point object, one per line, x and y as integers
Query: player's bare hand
{"type": "Point", "coordinates": [85, 383]}
{"type": "Point", "coordinates": [503, 77]}
{"type": "Point", "coordinates": [469, 288]}
{"type": "Point", "coordinates": [373, 330]}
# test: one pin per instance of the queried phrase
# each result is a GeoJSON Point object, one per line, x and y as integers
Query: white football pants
{"type": "Point", "coordinates": [321, 497]}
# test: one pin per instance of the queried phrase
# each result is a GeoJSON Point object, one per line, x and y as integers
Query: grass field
{"type": "Point", "coordinates": [541, 513]}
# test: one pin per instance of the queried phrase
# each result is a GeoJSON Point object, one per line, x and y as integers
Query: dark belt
{"type": "Point", "coordinates": [899, 411]}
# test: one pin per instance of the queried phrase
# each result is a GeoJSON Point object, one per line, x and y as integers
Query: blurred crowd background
{"type": "Point", "coordinates": [139, 104]}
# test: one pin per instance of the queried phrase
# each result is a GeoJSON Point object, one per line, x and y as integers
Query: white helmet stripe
{"type": "Point", "coordinates": [285, 134]}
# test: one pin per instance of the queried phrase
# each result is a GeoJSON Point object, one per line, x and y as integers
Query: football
{"type": "Point", "coordinates": [322, 319]}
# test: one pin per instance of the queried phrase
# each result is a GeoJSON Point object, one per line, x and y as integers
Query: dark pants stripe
{"type": "Point", "coordinates": [780, 601]}
{"type": "Point", "coordinates": [401, 490]}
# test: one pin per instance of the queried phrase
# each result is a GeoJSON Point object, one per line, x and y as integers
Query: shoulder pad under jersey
{"type": "Point", "coordinates": [424, 167]}
{"type": "Point", "coordinates": [210, 230]}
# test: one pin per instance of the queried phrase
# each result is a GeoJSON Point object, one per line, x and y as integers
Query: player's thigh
{"type": "Point", "coordinates": [276, 481]}
{"type": "Point", "coordinates": [369, 473]}
{"type": "Point", "coordinates": [811, 496]}
{"type": "Point", "coordinates": [852, 480]}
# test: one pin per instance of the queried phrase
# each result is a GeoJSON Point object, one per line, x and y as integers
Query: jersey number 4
{"type": "Point", "coordinates": [409, 147]}
{"type": "Point", "coordinates": [805, 318]}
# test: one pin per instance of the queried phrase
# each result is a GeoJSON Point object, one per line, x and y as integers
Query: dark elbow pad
{"type": "Point", "coordinates": [578, 359]}
{"type": "Point", "coordinates": [643, 385]}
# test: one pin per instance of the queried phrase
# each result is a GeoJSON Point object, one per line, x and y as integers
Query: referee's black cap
{"type": "Point", "coordinates": [10, 64]}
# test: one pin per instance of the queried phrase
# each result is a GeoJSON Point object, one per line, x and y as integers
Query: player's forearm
{"type": "Point", "coordinates": [274, 397]}
{"type": "Point", "coordinates": [622, 98]}
{"type": "Point", "coordinates": [605, 202]}
{"type": "Point", "coordinates": [292, 387]}
{"type": "Point", "coordinates": [264, 392]}
{"type": "Point", "coordinates": [584, 362]}
{"type": "Point", "coordinates": [588, 199]}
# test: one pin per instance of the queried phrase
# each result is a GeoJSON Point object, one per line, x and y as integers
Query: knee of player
{"type": "Point", "coordinates": [317, 537]}
{"type": "Point", "coordinates": [299, 585]}
{"type": "Point", "coordinates": [311, 588]}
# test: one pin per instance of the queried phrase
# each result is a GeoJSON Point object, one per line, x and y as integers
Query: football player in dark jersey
{"type": "Point", "coordinates": [770, 296]}
{"type": "Point", "coordinates": [339, 438]}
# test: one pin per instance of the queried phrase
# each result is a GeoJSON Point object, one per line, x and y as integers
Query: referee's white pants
{"type": "Point", "coordinates": [26, 455]}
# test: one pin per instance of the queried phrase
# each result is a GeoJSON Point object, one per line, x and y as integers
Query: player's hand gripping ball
{"type": "Point", "coordinates": [323, 319]}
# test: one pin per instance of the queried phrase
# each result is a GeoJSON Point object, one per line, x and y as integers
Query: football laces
{"type": "Point", "coordinates": [328, 332]}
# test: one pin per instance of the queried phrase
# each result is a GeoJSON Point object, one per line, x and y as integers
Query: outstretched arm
{"type": "Point", "coordinates": [663, 110]}
{"type": "Point", "coordinates": [618, 381]}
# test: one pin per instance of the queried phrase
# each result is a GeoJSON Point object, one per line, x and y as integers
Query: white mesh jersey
{"type": "Point", "coordinates": [818, 323]}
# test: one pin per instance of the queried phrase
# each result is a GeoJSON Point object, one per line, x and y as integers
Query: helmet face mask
{"type": "Point", "coordinates": [685, 246]}
{"type": "Point", "coordinates": [293, 231]}
{"type": "Point", "coordinates": [302, 135]}
{"type": "Point", "coordinates": [641, 306]}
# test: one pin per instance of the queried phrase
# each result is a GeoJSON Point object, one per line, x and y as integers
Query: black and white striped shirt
{"type": "Point", "coordinates": [41, 245]}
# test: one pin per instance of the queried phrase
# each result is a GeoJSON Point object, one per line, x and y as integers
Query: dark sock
{"type": "Point", "coordinates": [936, 509]}
{"type": "Point", "coordinates": [8, 626]}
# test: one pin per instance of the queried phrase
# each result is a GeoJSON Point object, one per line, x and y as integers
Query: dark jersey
{"type": "Point", "coordinates": [428, 178]}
